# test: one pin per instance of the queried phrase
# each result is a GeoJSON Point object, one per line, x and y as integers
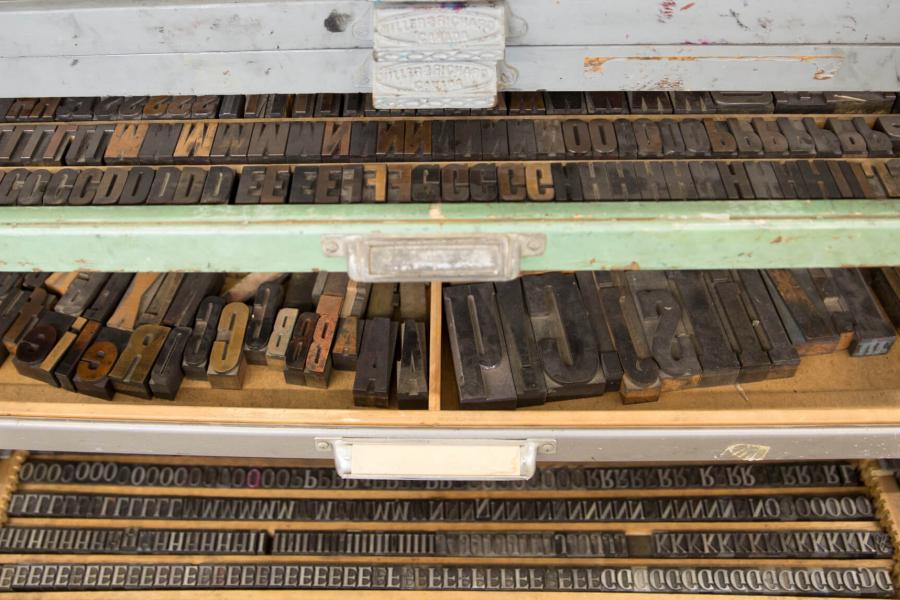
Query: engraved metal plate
{"type": "Point", "coordinates": [439, 32]}
{"type": "Point", "coordinates": [424, 85]}
{"type": "Point", "coordinates": [488, 257]}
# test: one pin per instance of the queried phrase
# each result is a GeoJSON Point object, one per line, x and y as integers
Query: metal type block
{"type": "Point", "coordinates": [98, 360]}
{"type": "Point", "coordinates": [318, 360]}
{"type": "Point", "coordinates": [569, 352]}
{"type": "Point", "coordinates": [705, 325]}
{"type": "Point", "coordinates": [227, 363]}
{"type": "Point", "coordinates": [522, 350]}
{"type": "Point", "coordinates": [194, 288]}
{"type": "Point", "coordinates": [649, 103]}
{"type": "Point", "coordinates": [81, 293]}
{"type": "Point", "coordinates": [198, 347]}
{"type": "Point", "coordinates": [157, 299]}
{"type": "Point", "coordinates": [375, 364]}
{"type": "Point", "coordinates": [262, 320]}
{"type": "Point", "coordinates": [802, 311]}
{"type": "Point", "coordinates": [167, 374]}
{"type": "Point", "coordinates": [131, 373]}
{"type": "Point", "coordinates": [39, 351]}
{"type": "Point", "coordinates": [65, 369]}
{"type": "Point", "coordinates": [662, 319]}
{"type": "Point", "coordinates": [412, 368]}
{"type": "Point", "coordinates": [298, 348]}
{"type": "Point", "coordinates": [483, 373]}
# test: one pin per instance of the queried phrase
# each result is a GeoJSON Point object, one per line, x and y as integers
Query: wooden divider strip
{"type": "Point", "coordinates": [9, 471]}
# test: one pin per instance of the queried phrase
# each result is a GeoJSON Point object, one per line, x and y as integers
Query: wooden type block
{"type": "Point", "coordinates": [11, 304]}
{"type": "Point", "coordinates": [125, 143]}
{"type": "Point", "coordinates": [218, 187]}
{"type": "Point", "coordinates": [890, 126]}
{"type": "Point", "coordinates": [305, 141]}
{"type": "Point", "coordinates": [478, 348]}
{"type": "Point", "coordinates": [878, 144]}
{"type": "Point", "coordinates": [442, 140]}
{"type": "Point", "coordinates": [336, 141]}
{"type": "Point", "coordinates": [522, 143]}
{"type": "Point", "coordinates": [328, 185]}
{"type": "Point", "coordinates": [649, 103]}
{"type": "Point", "coordinates": [801, 103]}
{"type": "Point", "coordinates": [84, 190]}
{"type": "Point", "coordinates": [649, 138]}
{"type": "Point", "coordinates": [106, 108]}
{"type": "Point", "coordinates": [744, 102]}
{"type": "Point", "coordinates": [29, 312]}
{"type": "Point", "coordinates": [662, 319]}
{"type": "Point", "coordinates": [749, 144]}
{"type": "Point", "coordinates": [205, 107]}
{"type": "Point", "coordinates": [696, 140]}
{"type": "Point", "coordinates": [89, 145]}
{"type": "Point", "coordinates": [398, 184]}
{"type": "Point", "coordinates": [131, 373]}
{"type": "Point", "coordinates": [418, 140]}
{"type": "Point", "coordinates": [132, 108]}
{"type": "Point", "coordinates": [722, 143]}
{"type": "Point", "coordinates": [625, 139]}
{"type": "Point", "coordinates": [298, 291]}
{"type": "Point", "coordinates": [860, 102]}
{"type": "Point", "coordinates": [606, 103]}
{"type": "Point", "coordinates": [137, 186]}
{"type": "Point", "coordinates": [262, 319]}
{"type": "Point", "coordinates": [232, 107]}
{"type": "Point", "coordinates": [64, 371]}
{"type": "Point", "coordinates": [304, 183]}
{"type": "Point", "coordinates": [494, 140]}
{"type": "Point", "coordinates": [159, 143]}
{"type": "Point", "coordinates": [802, 311]}
{"type": "Point", "coordinates": [227, 364]}
{"type": "Point", "coordinates": [412, 368]}
{"type": "Point", "coordinates": [39, 351]}
{"type": "Point", "coordinates": [764, 180]}
{"type": "Point", "coordinates": [826, 142]}
{"type": "Point", "coordinates": [413, 302]}
{"type": "Point", "coordinates": [277, 347]}
{"type": "Point", "coordinates": [60, 187]}
{"type": "Point", "coordinates": [522, 350]}
{"type": "Point", "coordinates": [126, 313]}
{"type": "Point", "coordinates": [692, 103]}
{"type": "Point", "coordinates": [76, 109]}
{"type": "Point", "coordinates": [195, 359]}
{"type": "Point", "coordinates": [318, 360]}
{"type": "Point", "coordinates": [564, 103]}
{"type": "Point", "coordinates": [569, 352]}
{"type": "Point", "coordinates": [328, 105]}
{"type": "Point", "coordinates": [165, 182]}
{"type": "Point", "coordinates": [231, 142]}
{"type": "Point", "coordinates": [108, 297]}
{"type": "Point", "coordinates": [885, 284]}
{"type": "Point", "coordinates": [381, 300]}
{"type": "Point", "coordinates": [651, 180]}
{"type": "Point", "coordinates": [166, 374]}
{"type": "Point", "coordinates": [263, 185]}
{"type": "Point", "coordinates": [774, 142]}
{"type": "Point", "coordinates": [98, 360]}
{"type": "Point", "coordinates": [735, 180]}
{"type": "Point", "coordinates": [704, 322]}
{"type": "Point", "coordinates": [375, 364]}
{"type": "Point", "coordinates": [157, 299]}
{"type": "Point", "coordinates": [255, 106]}
{"type": "Point", "coordinates": [58, 283]}
{"type": "Point", "coordinates": [352, 184]}
{"type": "Point", "coordinates": [81, 293]}
{"type": "Point", "coordinates": [278, 106]}
{"type": "Point", "coordinates": [567, 186]}
{"type": "Point", "coordinates": [298, 348]}
{"type": "Point", "coordinates": [193, 289]}
{"type": "Point", "coordinates": [195, 142]}
{"type": "Point", "coordinates": [347, 341]}
{"type": "Point", "coordinates": [364, 140]}
{"type": "Point", "coordinates": [767, 324]}
{"type": "Point", "coordinates": [873, 333]}
{"type": "Point", "coordinates": [576, 138]}
{"type": "Point", "coordinates": [156, 107]}
{"type": "Point", "coordinates": [526, 103]}
{"type": "Point", "coordinates": [850, 140]}
{"type": "Point", "coordinates": [35, 187]}
{"type": "Point", "coordinates": [790, 180]}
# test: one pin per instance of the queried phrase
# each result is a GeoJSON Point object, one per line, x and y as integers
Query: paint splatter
{"type": "Point", "coordinates": [666, 11]}
{"type": "Point", "coordinates": [688, 6]}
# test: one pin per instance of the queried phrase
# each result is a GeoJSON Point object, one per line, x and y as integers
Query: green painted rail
{"type": "Point", "coordinates": [646, 235]}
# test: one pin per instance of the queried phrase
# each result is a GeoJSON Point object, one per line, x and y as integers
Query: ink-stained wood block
{"type": "Point", "coordinates": [227, 363]}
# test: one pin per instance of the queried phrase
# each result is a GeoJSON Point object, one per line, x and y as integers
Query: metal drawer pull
{"type": "Point", "coordinates": [485, 257]}
{"type": "Point", "coordinates": [460, 460]}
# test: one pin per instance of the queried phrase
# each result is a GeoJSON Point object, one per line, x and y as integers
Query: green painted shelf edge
{"type": "Point", "coordinates": [646, 235]}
